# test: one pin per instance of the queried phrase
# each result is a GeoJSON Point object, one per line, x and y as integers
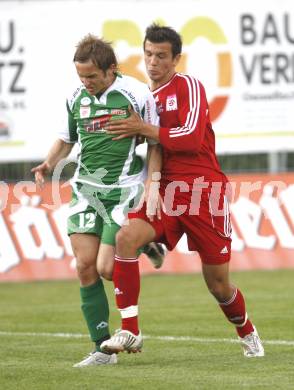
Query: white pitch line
{"type": "Point", "coordinates": [149, 337]}
{"type": "Point", "coordinates": [209, 340]}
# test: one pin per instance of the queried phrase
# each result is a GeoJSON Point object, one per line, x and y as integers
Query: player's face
{"type": "Point", "coordinates": [94, 79]}
{"type": "Point", "coordinates": [159, 62]}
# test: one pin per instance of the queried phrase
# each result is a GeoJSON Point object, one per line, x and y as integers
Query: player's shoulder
{"type": "Point", "coordinates": [186, 79]}
{"type": "Point", "coordinates": [188, 83]}
{"type": "Point", "coordinates": [74, 96]}
{"type": "Point", "coordinates": [131, 83]}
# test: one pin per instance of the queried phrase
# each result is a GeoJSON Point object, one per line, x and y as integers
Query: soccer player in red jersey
{"type": "Point", "coordinates": [193, 189]}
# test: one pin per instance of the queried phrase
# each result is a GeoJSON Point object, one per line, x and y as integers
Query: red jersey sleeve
{"type": "Point", "coordinates": [193, 116]}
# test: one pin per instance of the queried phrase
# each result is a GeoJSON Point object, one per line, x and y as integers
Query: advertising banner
{"type": "Point", "coordinates": [34, 244]}
{"type": "Point", "coordinates": [243, 52]}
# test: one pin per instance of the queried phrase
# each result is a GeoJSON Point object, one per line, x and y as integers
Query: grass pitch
{"type": "Point", "coordinates": [188, 345]}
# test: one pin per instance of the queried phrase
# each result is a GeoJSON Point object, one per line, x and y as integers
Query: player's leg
{"type": "Point", "coordinates": [112, 234]}
{"type": "Point", "coordinates": [126, 278]}
{"type": "Point", "coordinates": [94, 303]}
{"type": "Point", "coordinates": [209, 234]}
{"type": "Point", "coordinates": [215, 250]}
{"type": "Point", "coordinates": [85, 228]}
{"type": "Point", "coordinates": [85, 248]}
{"type": "Point", "coordinates": [230, 299]}
{"type": "Point", "coordinates": [106, 228]}
{"type": "Point", "coordinates": [232, 303]}
{"type": "Point", "coordinates": [105, 260]}
{"type": "Point", "coordinates": [110, 229]}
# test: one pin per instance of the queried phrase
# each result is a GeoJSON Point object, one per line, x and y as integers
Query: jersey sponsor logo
{"type": "Point", "coordinates": [117, 291]}
{"type": "Point", "coordinates": [101, 112]}
{"type": "Point", "coordinates": [118, 111]}
{"type": "Point", "coordinates": [133, 100]}
{"type": "Point", "coordinates": [85, 111]}
{"type": "Point", "coordinates": [74, 96]}
{"type": "Point", "coordinates": [96, 125]}
{"type": "Point", "coordinates": [171, 103]}
{"type": "Point", "coordinates": [148, 112]}
{"type": "Point", "coordinates": [112, 111]}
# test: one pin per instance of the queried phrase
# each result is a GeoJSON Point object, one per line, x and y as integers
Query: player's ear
{"type": "Point", "coordinates": [176, 59]}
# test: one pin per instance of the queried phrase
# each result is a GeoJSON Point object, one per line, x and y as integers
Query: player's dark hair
{"type": "Point", "coordinates": [159, 34]}
{"type": "Point", "coordinates": [97, 50]}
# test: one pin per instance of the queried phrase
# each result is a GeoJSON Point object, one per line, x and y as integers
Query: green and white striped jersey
{"type": "Point", "coordinates": [103, 162]}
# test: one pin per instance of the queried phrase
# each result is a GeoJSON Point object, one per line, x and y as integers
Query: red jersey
{"type": "Point", "coordinates": [185, 131]}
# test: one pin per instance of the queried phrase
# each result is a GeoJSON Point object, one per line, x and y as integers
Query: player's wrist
{"type": "Point", "coordinates": [48, 167]}
{"type": "Point", "coordinates": [145, 129]}
{"type": "Point", "coordinates": [156, 176]}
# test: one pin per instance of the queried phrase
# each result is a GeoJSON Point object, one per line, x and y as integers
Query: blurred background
{"type": "Point", "coordinates": [244, 58]}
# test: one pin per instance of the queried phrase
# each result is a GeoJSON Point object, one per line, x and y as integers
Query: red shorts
{"type": "Point", "coordinates": [207, 227]}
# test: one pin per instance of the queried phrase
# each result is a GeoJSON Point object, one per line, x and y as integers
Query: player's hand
{"type": "Point", "coordinates": [40, 172]}
{"type": "Point", "coordinates": [154, 202]}
{"type": "Point", "coordinates": [154, 207]}
{"type": "Point", "coordinates": [124, 128]}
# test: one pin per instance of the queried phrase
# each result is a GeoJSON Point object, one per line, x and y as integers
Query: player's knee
{"type": "Point", "coordinates": [220, 291]}
{"type": "Point", "coordinates": [126, 237]}
{"type": "Point", "coordinates": [216, 292]}
{"type": "Point", "coordinates": [105, 272]}
{"type": "Point", "coordinates": [86, 269]}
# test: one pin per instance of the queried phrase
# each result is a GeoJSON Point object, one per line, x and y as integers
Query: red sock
{"type": "Point", "coordinates": [126, 280]}
{"type": "Point", "coordinates": [235, 311]}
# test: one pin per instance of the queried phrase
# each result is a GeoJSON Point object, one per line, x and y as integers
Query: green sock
{"type": "Point", "coordinates": [96, 312]}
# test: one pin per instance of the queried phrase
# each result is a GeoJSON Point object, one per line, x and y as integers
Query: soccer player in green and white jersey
{"type": "Point", "coordinates": [109, 177]}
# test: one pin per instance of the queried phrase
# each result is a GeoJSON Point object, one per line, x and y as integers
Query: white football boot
{"type": "Point", "coordinates": [123, 340]}
{"type": "Point", "coordinates": [97, 359]}
{"type": "Point", "coordinates": [252, 345]}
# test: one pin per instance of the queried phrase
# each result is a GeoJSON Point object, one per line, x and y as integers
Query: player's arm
{"type": "Point", "coordinates": [154, 160]}
{"type": "Point", "coordinates": [59, 150]}
{"type": "Point", "coordinates": [132, 126]}
{"type": "Point", "coordinates": [145, 125]}
{"type": "Point", "coordinates": [193, 116]}
{"type": "Point", "coordinates": [152, 183]}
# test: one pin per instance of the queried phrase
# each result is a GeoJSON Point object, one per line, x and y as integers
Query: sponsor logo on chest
{"type": "Point", "coordinates": [171, 103]}
{"type": "Point", "coordinates": [85, 111]}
